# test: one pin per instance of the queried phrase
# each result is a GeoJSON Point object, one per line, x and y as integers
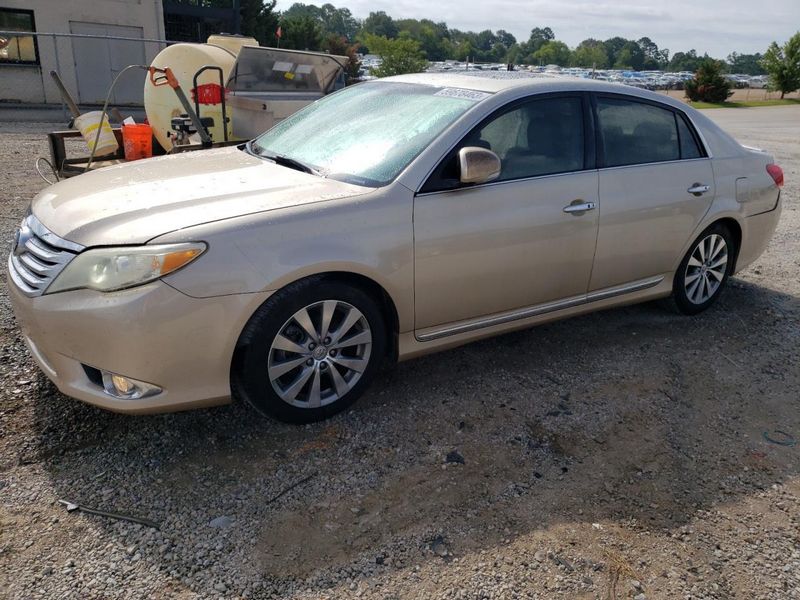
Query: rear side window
{"type": "Point", "coordinates": [689, 147]}
{"type": "Point", "coordinates": [634, 132]}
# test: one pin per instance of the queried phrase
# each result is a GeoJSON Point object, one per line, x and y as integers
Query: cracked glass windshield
{"type": "Point", "coordinates": [367, 134]}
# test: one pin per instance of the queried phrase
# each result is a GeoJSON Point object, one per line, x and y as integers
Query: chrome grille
{"type": "Point", "coordinates": [37, 256]}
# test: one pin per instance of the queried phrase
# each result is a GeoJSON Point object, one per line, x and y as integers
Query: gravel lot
{"type": "Point", "coordinates": [617, 455]}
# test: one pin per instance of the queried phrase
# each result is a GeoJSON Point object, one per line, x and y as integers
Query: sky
{"type": "Point", "coordinates": [718, 27]}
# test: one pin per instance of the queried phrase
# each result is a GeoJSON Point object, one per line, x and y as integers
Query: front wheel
{"type": "Point", "coordinates": [309, 351]}
{"type": "Point", "coordinates": [704, 270]}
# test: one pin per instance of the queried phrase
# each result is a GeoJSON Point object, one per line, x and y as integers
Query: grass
{"type": "Point", "coordinates": [749, 104]}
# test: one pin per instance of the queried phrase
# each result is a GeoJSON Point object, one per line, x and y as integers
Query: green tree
{"type": "Point", "coordinates": [336, 44]}
{"type": "Point", "coordinates": [783, 65]}
{"type": "Point", "coordinates": [685, 61]}
{"type": "Point", "coordinates": [339, 21]}
{"type": "Point", "coordinates": [553, 53]}
{"type": "Point", "coordinates": [464, 50]}
{"type": "Point", "coordinates": [539, 37]}
{"type": "Point", "coordinates": [398, 56]}
{"type": "Point", "coordinates": [433, 38]}
{"type": "Point", "coordinates": [653, 57]}
{"type": "Point", "coordinates": [708, 84]}
{"type": "Point", "coordinates": [331, 20]}
{"type": "Point", "coordinates": [749, 64]}
{"type": "Point", "coordinates": [301, 33]}
{"type": "Point", "coordinates": [590, 53]}
{"type": "Point", "coordinates": [381, 25]}
{"type": "Point", "coordinates": [258, 19]}
{"type": "Point", "coordinates": [506, 38]}
{"type": "Point", "coordinates": [514, 53]}
{"type": "Point", "coordinates": [630, 56]}
{"type": "Point", "coordinates": [613, 47]}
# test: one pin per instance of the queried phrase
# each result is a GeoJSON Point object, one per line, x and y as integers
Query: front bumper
{"type": "Point", "coordinates": [152, 333]}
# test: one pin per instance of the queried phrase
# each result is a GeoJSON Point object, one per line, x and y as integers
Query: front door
{"type": "Point", "coordinates": [517, 241]}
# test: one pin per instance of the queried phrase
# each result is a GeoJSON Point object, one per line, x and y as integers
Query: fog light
{"type": "Point", "coordinates": [123, 385]}
{"type": "Point", "coordinates": [120, 386]}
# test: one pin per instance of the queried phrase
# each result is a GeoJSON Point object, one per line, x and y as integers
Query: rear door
{"type": "Point", "coordinates": [655, 186]}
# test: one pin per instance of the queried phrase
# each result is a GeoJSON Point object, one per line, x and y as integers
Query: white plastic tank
{"type": "Point", "coordinates": [161, 103]}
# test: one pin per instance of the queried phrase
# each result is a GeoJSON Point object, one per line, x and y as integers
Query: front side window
{"type": "Point", "coordinates": [367, 134]}
{"type": "Point", "coordinates": [635, 132]}
{"type": "Point", "coordinates": [539, 137]}
{"type": "Point", "coordinates": [17, 49]}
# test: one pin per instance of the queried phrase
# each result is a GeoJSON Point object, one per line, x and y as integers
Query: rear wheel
{"type": "Point", "coordinates": [309, 351]}
{"type": "Point", "coordinates": [704, 271]}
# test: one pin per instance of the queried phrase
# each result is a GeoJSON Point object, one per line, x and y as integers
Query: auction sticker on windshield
{"type": "Point", "coordinates": [463, 93]}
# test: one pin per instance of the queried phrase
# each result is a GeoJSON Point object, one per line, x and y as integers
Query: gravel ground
{"type": "Point", "coordinates": [616, 455]}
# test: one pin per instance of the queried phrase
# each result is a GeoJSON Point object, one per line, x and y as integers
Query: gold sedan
{"type": "Point", "coordinates": [389, 220]}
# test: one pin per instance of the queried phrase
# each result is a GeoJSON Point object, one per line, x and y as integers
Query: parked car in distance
{"type": "Point", "coordinates": [389, 220]}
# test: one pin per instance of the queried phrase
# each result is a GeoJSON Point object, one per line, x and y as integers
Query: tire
{"type": "Point", "coordinates": [309, 351]}
{"type": "Point", "coordinates": [700, 278]}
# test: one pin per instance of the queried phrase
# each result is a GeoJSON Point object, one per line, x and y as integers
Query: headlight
{"type": "Point", "coordinates": [109, 269]}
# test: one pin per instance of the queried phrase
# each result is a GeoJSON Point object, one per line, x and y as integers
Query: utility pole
{"type": "Point", "coordinates": [237, 17]}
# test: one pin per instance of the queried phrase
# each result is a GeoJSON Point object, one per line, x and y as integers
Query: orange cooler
{"type": "Point", "coordinates": [137, 141]}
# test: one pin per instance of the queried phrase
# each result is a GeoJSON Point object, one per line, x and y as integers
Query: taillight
{"type": "Point", "coordinates": [776, 173]}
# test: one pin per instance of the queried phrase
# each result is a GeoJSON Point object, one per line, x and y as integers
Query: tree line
{"type": "Point", "coordinates": [309, 27]}
{"type": "Point", "coordinates": [406, 45]}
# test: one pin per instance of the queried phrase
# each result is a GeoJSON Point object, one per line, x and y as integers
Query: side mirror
{"type": "Point", "coordinates": [478, 165]}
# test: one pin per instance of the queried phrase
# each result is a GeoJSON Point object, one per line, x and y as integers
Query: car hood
{"type": "Point", "coordinates": [135, 202]}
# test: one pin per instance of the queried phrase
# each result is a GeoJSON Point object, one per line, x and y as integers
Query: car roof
{"type": "Point", "coordinates": [499, 81]}
{"type": "Point", "coordinates": [513, 84]}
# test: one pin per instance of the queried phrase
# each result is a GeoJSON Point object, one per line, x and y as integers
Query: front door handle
{"type": "Point", "coordinates": [698, 189]}
{"type": "Point", "coordinates": [579, 207]}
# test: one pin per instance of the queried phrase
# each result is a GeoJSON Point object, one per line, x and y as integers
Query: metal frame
{"type": "Point", "coordinates": [197, 74]}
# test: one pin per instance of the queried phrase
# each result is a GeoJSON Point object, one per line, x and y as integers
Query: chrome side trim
{"type": "Point", "coordinates": [656, 163]}
{"type": "Point", "coordinates": [627, 288]}
{"type": "Point", "coordinates": [540, 309]}
{"type": "Point", "coordinates": [503, 182]}
{"type": "Point", "coordinates": [564, 174]}
{"type": "Point", "coordinates": [501, 319]}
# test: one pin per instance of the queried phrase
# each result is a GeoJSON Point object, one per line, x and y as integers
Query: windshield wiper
{"type": "Point", "coordinates": [292, 163]}
{"type": "Point", "coordinates": [279, 159]}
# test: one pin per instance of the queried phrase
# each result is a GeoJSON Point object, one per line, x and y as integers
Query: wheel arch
{"type": "Point", "coordinates": [375, 290]}
{"type": "Point", "coordinates": [736, 231]}
{"type": "Point", "coordinates": [727, 219]}
{"type": "Point", "coordinates": [385, 302]}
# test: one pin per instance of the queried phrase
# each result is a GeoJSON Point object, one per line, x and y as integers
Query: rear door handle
{"type": "Point", "coordinates": [579, 207]}
{"type": "Point", "coordinates": [698, 189]}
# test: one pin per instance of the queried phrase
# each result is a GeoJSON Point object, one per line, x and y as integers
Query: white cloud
{"type": "Point", "coordinates": [718, 27]}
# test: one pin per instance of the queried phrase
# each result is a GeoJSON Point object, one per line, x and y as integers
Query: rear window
{"type": "Point", "coordinates": [689, 145]}
{"type": "Point", "coordinates": [634, 132]}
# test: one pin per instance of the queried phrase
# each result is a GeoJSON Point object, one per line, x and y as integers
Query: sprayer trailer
{"type": "Point", "coordinates": [199, 96]}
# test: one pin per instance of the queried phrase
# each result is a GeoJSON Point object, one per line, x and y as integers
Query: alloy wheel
{"type": "Point", "coordinates": [319, 354]}
{"type": "Point", "coordinates": [706, 268]}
